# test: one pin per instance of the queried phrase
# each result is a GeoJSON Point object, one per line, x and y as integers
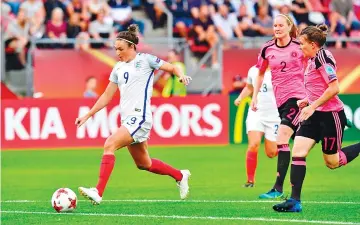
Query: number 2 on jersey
{"type": "Point", "coordinates": [126, 77]}
{"type": "Point", "coordinates": [276, 128]}
{"type": "Point", "coordinates": [284, 66]}
{"type": "Point", "coordinates": [290, 115]}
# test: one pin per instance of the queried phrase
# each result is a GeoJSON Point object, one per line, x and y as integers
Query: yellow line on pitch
{"type": "Point", "coordinates": [349, 79]}
{"type": "Point", "coordinates": [102, 57]}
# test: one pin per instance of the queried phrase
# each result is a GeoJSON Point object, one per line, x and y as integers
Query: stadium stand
{"type": "Point", "coordinates": [25, 20]}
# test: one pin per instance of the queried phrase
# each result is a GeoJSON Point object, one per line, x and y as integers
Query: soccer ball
{"type": "Point", "coordinates": [64, 200]}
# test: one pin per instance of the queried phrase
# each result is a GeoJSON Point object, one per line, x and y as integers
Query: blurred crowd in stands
{"type": "Point", "coordinates": [201, 22]}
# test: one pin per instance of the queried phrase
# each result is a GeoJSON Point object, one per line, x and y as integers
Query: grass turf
{"type": "Point", "coordinates": [216, 195]}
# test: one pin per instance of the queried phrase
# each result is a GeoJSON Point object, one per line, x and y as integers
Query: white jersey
{"type": "Point", "coordinates": [135, 81]}
{"type": "Point", "coordinates": [266, 102]}
{"type": "Point", "coordinates": [266, 119]}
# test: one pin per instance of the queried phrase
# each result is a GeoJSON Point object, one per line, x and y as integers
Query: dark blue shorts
{"type": "Point", "coordinates": [327, 127]}
{"type": "Point", "coordinates": [289, 113]}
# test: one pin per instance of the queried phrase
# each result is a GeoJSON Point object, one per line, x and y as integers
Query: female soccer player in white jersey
{"type": "Point", "coordinates": [264, 121]}
{"type": "Point", "coordinates": [133, 76]}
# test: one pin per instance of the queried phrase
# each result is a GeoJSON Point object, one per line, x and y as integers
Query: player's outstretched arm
{"type": "Point", "coordinates": [170, 68]}
{"type": "Point", "coordinates": [104, 99]}
{"type": "Point", "coordinates": [244, 93]}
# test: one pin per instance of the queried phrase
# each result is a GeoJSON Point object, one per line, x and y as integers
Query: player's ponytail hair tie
{"type": "Point", "coordinates": [286, 17]}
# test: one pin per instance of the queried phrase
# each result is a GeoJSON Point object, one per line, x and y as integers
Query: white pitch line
{"type": "Point", "coordinates": [262, 219]}
{"type": "Point", "coordinates": [195, 201]}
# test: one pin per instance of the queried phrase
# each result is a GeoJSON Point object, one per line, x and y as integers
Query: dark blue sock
{"type": "Point", "coordinates": [297, 176]}
{"type": "Point", "coordinates": [282, 166]}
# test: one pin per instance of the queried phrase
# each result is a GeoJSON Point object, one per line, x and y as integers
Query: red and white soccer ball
{"type": "Point", "coordinates": [64, 200]}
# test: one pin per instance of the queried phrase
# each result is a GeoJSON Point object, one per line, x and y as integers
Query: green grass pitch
{"type": "Point", "coordinates": [139, 197]}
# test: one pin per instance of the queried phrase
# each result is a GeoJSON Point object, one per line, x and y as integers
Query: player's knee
{"type": "Point", "coordinates": [271, 153]}
{"type": "Point", "coordinates": [143, 166]}
{"type": "Point", "coordinates": [299, 151]}
{"type": "Point", "coordinates": [109, 147]}
{"type": "Point", "coordinates": [332, 165]}
{"type": "Point", "coordinates": [284, 136]}
{"type": "Point", "coordinates": [254, 147]}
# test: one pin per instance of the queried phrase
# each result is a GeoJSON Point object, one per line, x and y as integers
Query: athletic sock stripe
{"type": "Point", "coordinates": [298, 158]}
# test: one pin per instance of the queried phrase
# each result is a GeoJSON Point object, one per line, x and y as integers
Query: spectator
{"type": "Point", "coordinates": [322, 6]}
{"type": "Point", "coordinates": [19, 28]}
{"type": "Point", "coordinates": [78, 7]}
{"type": "Point", "coordinates": [266, 4]}
{"type": "Point", "coordinates": [56, 27]}
{"type": "Point", "coordinates": [173, 87]}
{"type": "Point", "coordinates": [181, 12]}
{"type": "Point", "coordinates": [95, 6]}
{"type": "Point", "coordinates": [246, 22]}
{"type": "Point", "coordinates": [342, 19]}
{"type": "Point", "coordinates": [227, 24]}
{"type": "Point", "coordinates": [238, 85]}
{"type": "Point", "coordinates": [286, 10]}
{"type": "Point", "coordinates": [278, 4]}
{"type": "Point", "coordinates": [50, 5]}
{"type": "Point", "coordinates": [35, 14]}
{"type": "Point", "coordinates": [34, 8]}
{"type": "Point", "coordinates": [194, 6]}
{"type": "Point", "coordinates": [90, 87]}
{"type": "Point", "coordinates": [74, 30]}
{"type": "Point", "coordinates": [214, 7]}
{"type": "Point", "coordinates": [67, 4]}
{"type": "Point", "coordinates": [319, 11]}
{"type": "Point", "coordinates": [154, 10]}
{"type": "Point", "coordinates": [301, 9]}
{"type": "Point", "coordinates": [16, 42]}
{"type": "Point", "coordinates": [37, 27]}
{"type": "Point", "coordinates": [230, 6]}
{"type": "Point", "coordinates": [100, 29]}
{"type": "Point", "coordinates": [121, 14]}
{"type": "Point", "coordinates": [205, 30]}
{"type": "Point", "coordinates": [263, 22]}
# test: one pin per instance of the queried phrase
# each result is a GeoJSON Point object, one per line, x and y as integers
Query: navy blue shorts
{"type": "Point", "coordinates": [327, 127]}
{"type": "Point", "coordinates": [289, 113]}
